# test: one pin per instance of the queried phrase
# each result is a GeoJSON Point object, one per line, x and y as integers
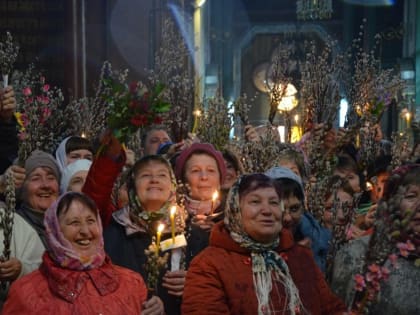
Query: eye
{"type": "Point", "coordinates": [91, 220]}
{"type": "Point", "coordinates": [294, 209]}
{"type": "Point", "coordinates": [89, 157]}
{"type": "Point", "coordinates": [274, 202]}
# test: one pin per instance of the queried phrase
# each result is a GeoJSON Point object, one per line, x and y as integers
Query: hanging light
{"type": "Point", "coordinates": [314, 9]}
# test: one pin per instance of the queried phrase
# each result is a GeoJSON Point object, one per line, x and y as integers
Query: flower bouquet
{"type": "Point", "coordinates": [132, 107]}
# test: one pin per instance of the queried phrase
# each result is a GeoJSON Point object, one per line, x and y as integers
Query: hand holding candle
{"type": "Point", "coordinates": [158, 235]}
{"type": "Point", "coordinates": [172, 217]}
{"type": "Point", "coordinates": [213, 201]}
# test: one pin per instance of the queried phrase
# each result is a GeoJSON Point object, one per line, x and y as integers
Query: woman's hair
{"type": "Point", "coordinates": [290, 188]}
{"type": "Point", "coordinates": [234, 160]}
{"type": "Point", "coordinates": [78, 143]}
{"type": "Point", "coordinates": [256, 181]}
{"type": "Point", "coordinates": [65, 202]}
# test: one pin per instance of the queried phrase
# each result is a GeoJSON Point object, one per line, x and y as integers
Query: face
{"type": "Point", "coordinates": [77, 181]}
{"type": "Point", "coordinates": [153, 185]}
{"type": "Point", "coordinates": [293, 210]}
{"type": "Point", "coordinates": [261, 214]}
{"type": "Point", "coordinates": [343, 197]}
{"type": "Point", "coordinates": [202, 175]}
{"type": "Point", "coordinates": [352, 178]}
{"type": "Point", "coordinates": [153, 140]}
{"type": "Point", "coordinates": [231, 176]}
{"type": "Point", "coordinates": [41, 188]}
{"type": "Point", "coordinates": [410, 202]}
{"type": "Point", "coordinates": [80, 227]}
{"type": "Point", "coordinates": [291, 166]}
{"type": "Point", "coordinates": [78, 155]}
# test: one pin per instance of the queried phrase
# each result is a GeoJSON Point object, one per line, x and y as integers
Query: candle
{"type": "Point", "coordinates": [213, 200]}
{"type": "Point", "coordinates": [158, 234]}
{"type": "Point", "coordinates": [172, 216]}
{"type": "Point", "coordinates": [197, 114]}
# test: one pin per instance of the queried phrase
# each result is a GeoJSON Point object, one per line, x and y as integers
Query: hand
{"type": "Point", "coordinates": [7, 103]}
{"type": "Point", "coordinates": [174, 281]}
{"type": "Point", "coordinates": [203, 222]}
{"type": "Point", "coordinates": [10, 269]}
{"type": "Point", "coordinates": [305, 242]}
{"type": "Point", "coordinates": [153, 306]}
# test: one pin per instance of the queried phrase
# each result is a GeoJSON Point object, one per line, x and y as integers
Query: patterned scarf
{"type": "Point", "coordinates": [266, 262]}
{"type": "Point", "coordinates": [61, 250]}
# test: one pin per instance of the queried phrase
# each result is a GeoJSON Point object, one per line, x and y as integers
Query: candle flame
{"type": "Point", "coordinates": [215, 195]}
{"type": "Point", "coordinates": [83, 135]}
{"type": "Point", "coordinates": [173, 211]}
{"type": "Point", "coordinates": [160, 228]}
{"type": "Point", "coordinates": [197, 113]}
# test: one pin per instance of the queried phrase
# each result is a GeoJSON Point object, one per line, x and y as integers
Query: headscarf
{"type": "Point", "coordinates": [61, 250]}
{"type": "Point", "coordinates": [61, 155]}
{"type": "Point", "coordinates": [266, 262]}
{"type": "Point", "coordinates": [70, 170]}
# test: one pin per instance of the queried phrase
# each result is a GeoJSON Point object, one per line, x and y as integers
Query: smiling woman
{"type": "Point", "coordinates": [76, 277]}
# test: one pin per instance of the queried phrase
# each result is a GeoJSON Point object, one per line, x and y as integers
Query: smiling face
{"type": "Point", "coordinates": [202, 176]}
{"type": "Point", "coordinates": [261, 214]}
{"type": "Point", "coordinates": [41, 188]}
{"type": "Point", "coordinates": [80, 227]}
{"type": "Point", "coordinates": [153, 185]}
{"type": "Point", "coordinates": [77, 181]}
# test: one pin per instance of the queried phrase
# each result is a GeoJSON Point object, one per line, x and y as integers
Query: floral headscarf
{"type": "Point", "coordinates": [266, 262]}
{"type": "Point", "coordinates": [60, 249]}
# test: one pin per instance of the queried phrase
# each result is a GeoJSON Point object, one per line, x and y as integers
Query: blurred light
{"type": "Point", "coordinates": [344, 105]}
{"type": "Point", "coordinates": [199, 3]}
{"type": "Point", "coordinates": [371, 3]}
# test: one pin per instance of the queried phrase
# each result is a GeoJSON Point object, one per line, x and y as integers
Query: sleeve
{"type": "Point", "coordinates": [26, 245]}
{"type": "Point", "coordinates": [16, 303]}
{"type": "Point", "coordinates": [203, 292]}
{"type": "Point", "coordinates": [100, 182]}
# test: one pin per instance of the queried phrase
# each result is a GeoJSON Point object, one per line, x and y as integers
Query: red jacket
{"type": "Point", "coordinates": [219, 280]}
{"type": "Point", "coordinates": [108, 289]}
{"type": "Point", "coordinates": [100, 182]}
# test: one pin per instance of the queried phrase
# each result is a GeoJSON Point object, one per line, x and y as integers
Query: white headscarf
{"type": "Point", "coordinates": [70, 170]}
{"type": "Point", "coordinates": [61, 155]}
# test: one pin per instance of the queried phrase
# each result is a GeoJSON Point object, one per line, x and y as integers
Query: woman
{"type": "Point", "coordinates": [74, 175]}
{"type": "Point", "coordinates": [202, 170]}
{"type": "Point", "coordinates": [71, 149]}
{"type": "Point", "coordinates": [76, 277]}
{"type": "Point", "coordinates": [252, 265]}
{"type": "Point", "coordinates": [151, 190]}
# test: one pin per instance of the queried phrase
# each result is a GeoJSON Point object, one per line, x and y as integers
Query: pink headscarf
{"type": "Point", "coordinates": [61, 250]}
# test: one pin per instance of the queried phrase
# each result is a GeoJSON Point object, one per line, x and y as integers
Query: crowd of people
{"type": "Point", "coordinates": [181, 228]}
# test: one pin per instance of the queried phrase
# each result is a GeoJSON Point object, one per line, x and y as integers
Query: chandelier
{"type": "Point", "coordinates": [313, 9]}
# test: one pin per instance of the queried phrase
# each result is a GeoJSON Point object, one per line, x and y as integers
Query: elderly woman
{"type": "Point", "coordinates": [252, 265]}
{"type": "Point", "coordinates": [40, 189]}
{"type": "Point", "coordinates": [202, 170]}
{"type": "Point", "coordinates": [151, 190]}
{"type": "Point", "coordinates": [76, 277]}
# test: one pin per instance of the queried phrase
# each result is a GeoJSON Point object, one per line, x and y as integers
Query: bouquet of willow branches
{"type": "Point", "coordinates": [215, 122]}
{"type": "Point", "coordinates": [153, 267]}
{"type": "Point", "coordinates": [172, 68]}
{"type": "Point", "coordinates": [7, 215]}
{"type": "Point", "coordinates": [42, 124]}
{"type": "Point", "coordinates": [399, 148]}
{"type": "Point", "coordinates": [8, 55]}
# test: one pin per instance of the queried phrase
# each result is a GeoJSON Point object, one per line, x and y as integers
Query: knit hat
{"type": "Point", "coordinates": [198, 148]}
{"type": "Point", "coordinates": [279, 172]}
{"type": "Point", "coordinates": [71, 169]}
{"type": "Point", "coordinates": [40, 158]}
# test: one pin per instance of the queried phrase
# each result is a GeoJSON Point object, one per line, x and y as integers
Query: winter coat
{"type": "Point", "coordinates": [26, 246]}
{"type": "Point", "coordinates": [128, 251]}
{"type": "Point", "coordinates": [99, 184]}
{"type": "Point", "coordinates": [220, 279]}
{"type": "Point", "coordinates": [51, 289]}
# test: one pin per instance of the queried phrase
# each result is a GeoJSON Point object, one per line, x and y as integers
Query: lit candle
{"type": "Point", "coordinates": [407, 118]}
{"type": "Point", "coordinates": [158, 234]}
{"type": "Point", "coordinates": [197, 114]}
{"type": "Point", "coordinates": [83, 135]}
{"type": "Point", "coordinates": [213, 201]}
{"type": "Point", "coordinates": [172, 216]}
